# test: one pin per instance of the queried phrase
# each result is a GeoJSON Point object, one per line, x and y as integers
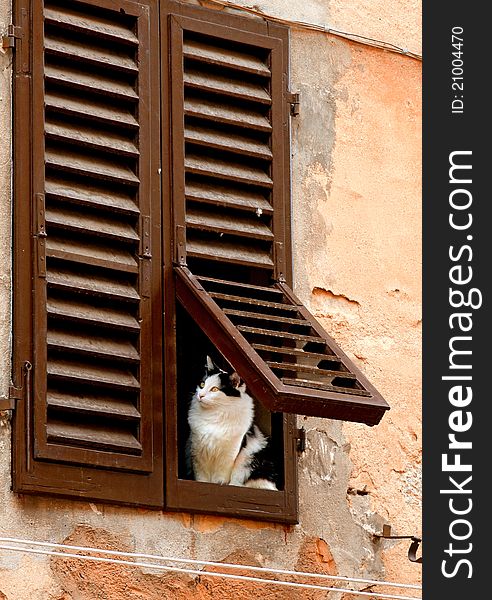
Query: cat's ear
{"type": "Point", "coordinates": [235, 380]}
{"type": "Point", "coordinates": [209, 365]}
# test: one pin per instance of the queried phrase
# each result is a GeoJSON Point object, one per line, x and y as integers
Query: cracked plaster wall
{"type": "Point", "coordinates": [356, 214]}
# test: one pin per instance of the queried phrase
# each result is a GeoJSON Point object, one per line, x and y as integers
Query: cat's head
{"type": "Point", "coordinates": [217, 387]}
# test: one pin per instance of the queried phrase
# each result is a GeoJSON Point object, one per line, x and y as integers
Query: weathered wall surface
{"type": "Point", "coordinates": [356, 211]}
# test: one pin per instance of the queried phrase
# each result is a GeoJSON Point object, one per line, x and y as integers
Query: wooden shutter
{"type": "Point", "coordinates": [230, 142]}
{"type": "Point", "coordinates": [89, 216]}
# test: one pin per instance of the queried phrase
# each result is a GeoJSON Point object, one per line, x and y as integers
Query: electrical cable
{"type": "Point", "coordinates": [199, 572]}
{"type": "Point", "coordinates": [354, 37]}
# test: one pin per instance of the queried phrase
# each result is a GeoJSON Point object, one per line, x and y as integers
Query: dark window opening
{"type": "Point", "coordinates": [192, 348]}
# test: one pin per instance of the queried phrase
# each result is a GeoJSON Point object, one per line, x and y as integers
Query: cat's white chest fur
{"type": "Point", "coordinates": [216, 436]}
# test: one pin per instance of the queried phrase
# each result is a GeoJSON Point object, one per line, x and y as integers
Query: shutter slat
{"type": "Point", "coordinates": [213, 82]}
{"type": "Point", "coordinates": [229, 170]}
{"type": "Point", "coordinates": [79, 164]}
{"type": "Point", "coordinates": [93, 436]}
{"type": "Point", "coordinates": [230, 58]}
{"type": "Point", "coordinates": [89, 108]}
{"type": "Point", "coordinates": [88, 82]}
{"type": "Point", "coordinates": [296, 352]}
{"type": "Point", "coordinates": [230, 224]}
{"type": "Point", "coordinates": [86, 194]}
{"type": "Point", "coordinates": [91, 405]}
{"type": "Point", "coordinates": [228, 114]}
{"type": "Point", "coordinates": [73, 50]}
{"type": "Point", "coordinates": [225, 140]}
{"type": "Point", "coordinates": [246, 287]}
{"type": "Point", "coordinates": [100, 347]}
{"type": "Point", "coordinates": [233, 198]}
{"type": "Point", "coordinates": [96, 24]}
{"type": "Point", "coordinates": [305, 383]}
{"type": "Point", "coordinates": [285, 366]}
{"type": "Point", "coordinates": [95, 284]}
{"type": "Point", "coordinates": [91, 253]}
{"type": "Point", "coordinates": [69, 309]}
{"type": "Point", "coordinates": [82, 135]}
{"type": "Point", "coordinates": [264, 317]}
{"type": "Point", "coordinates": [298, 337]}
{"type": "Point", "coordinates": [102, 375]}
{"type": "Point", "coordinates": [228, 251]}
{"type": "Point", "coordinates": [252, 301]}
{"type": "Point", "coordinates": [75, 220]}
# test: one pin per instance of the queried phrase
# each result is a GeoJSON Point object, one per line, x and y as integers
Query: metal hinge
{"type": "Point", "coordinates": [17, 393]}
{"type": "Point", "coordinates": [300, 436]}
{"type": "Point", "coordinates": [13, 33]}
{"type": "Point", "coordinates": [294, 99]}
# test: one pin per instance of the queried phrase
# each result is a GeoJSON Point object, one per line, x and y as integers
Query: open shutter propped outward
{"type": "Point", "coordinates": [230, 140]}
{"type": "Point", "coordinates": [92, 420]}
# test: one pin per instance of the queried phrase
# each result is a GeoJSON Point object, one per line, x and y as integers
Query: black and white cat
{"type": "Point", "coordinates": [224, 445]}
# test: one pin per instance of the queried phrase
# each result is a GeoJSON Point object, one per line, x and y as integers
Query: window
{"type": "Point", "coordinates": [152, 208]}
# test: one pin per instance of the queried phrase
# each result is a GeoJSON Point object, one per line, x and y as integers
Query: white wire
{"type": "Point", "coordinates": [354, 37]}
{"type": "Point", "coordinates": [210, 563]}
{"type": "Point", "coordinates": [196, 572]}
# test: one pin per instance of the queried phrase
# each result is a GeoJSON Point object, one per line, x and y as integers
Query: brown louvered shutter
{"type": "Point", "coordinates": [230, 141]}
{"type": "Point", "coordinates": [91, 421]}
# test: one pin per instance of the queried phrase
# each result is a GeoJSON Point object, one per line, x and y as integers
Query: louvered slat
{"type": "Point", "coordinates": [72, 49]}
{"type": "Point", "coordinates": [87, 314]}
{"type": "Point", "coordinates": [104, 27]}
{"type": "Point", "coordinates": [98, 346]}
{"type": "Point", "coordinates": [91, 253]}
{"type": "Point", "coordinates": [75, 220]}
{"type": "Point", "coordinates": [77, 107]}
{"type": "Point", "coordinates": [92, 405]}
{"type": "Point", "coordinates": [233, 88]}
{"type": "Point", "coordinates": [229, 197]}
{"type": "Point", "coordinates": [93, 436]}
{"type": "Point", "coordinates": [200, 218]}
{"type": "Point", "coordinates": [204, 51]}
{"type": "Point", "coordinates": [88, 194]}
{"type": "Point", "coordinates": [77, 79]}
{"type": "Point", "coordinates": [91, 137]}
{"type": "Point", "coordinates": [228, 170]}
{"type": "Point", "coordinates": [226, 113]}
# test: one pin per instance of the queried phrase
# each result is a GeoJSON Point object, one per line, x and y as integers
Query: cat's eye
{"type": "Point", "coordinates": [214, 389]}
{"type": "Point", "coordinates": [202, 384]}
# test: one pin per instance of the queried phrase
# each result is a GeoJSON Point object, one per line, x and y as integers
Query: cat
{"type": "Point", "coordinates": [224, 445]}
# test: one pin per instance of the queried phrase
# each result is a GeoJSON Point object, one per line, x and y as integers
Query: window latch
{"type": "Point", "coordinates": [13, 33]}
{"type": "Point", "coordinates": [294, 99]}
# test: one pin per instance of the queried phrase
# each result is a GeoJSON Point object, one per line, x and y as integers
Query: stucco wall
{"type": "Point", "coordinates": [356, 215]}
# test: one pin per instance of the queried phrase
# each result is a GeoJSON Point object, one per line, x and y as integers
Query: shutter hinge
{"type": "Point", "coordinates": [15, 393]}
{"type": "Point", "coordinates": [14, 32]}
{"type": "Point", "coordinates": [300, 436]}
{"type": "Point", "coordinates": [294, 99]}
{"type": "Point", "coordinates": [181, 245]}
{"type": "Point", "coordinates": [40, 235]}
